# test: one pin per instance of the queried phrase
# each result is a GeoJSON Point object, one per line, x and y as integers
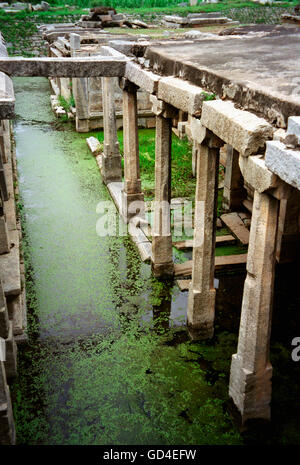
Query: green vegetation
{"type": "Point", "coordinates": [67, 104]}
{"type": "Point", "coordinates": [183, 182]}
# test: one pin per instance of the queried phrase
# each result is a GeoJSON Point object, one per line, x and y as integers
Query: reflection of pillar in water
{"type": "Point", "coordinates": [162, 310]}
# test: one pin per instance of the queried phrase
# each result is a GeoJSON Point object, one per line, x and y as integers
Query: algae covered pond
{"type": "Point", "coordinates": [108, 359]}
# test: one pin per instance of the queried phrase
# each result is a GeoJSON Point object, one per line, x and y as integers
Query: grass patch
{"type": "Point", "coordinates": [183, 182]}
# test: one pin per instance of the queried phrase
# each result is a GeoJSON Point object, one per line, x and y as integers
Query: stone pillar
{"type": "Point", "coordinates": [132, 196]}
{"type": "Point", "coordinates": [234, 192]}
{"type": "Point", "coordinates": [201, 300]}
{"type": "Point", "coordinates": [163, 265]}
{"type": "Point", "coordinates": [251, 371]}
{"type": "Point", "coordinates": [111, 160]}
{"type": "Point", "coordinates": [74, 43]}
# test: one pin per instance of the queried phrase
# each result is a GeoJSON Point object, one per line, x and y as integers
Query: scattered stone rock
{"type": "Point", "coordinates": [94, 146]}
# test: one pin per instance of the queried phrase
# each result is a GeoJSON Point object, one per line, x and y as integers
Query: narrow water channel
{"type": "Point", "coordinates": [108, 359]}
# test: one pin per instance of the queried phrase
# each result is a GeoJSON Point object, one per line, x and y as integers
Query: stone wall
{"type": "Point", "coordinates": [12, 279]}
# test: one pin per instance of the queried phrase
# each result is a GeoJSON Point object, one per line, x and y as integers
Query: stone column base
{"type": "Point", "coordinates": [163, 270]}
{"type": "Point", "coordinates": [82, 125]}
{"type": "Point", "coordinates": [163, 265]}
{"type": "Point", "coordinates": [111, 169]}
{"type": "Point", "coordinates": [201, 314]}
{"type": "Point", "coordinates": [251, 392]}
{"type": "Point", "coordinates": [132, 205]}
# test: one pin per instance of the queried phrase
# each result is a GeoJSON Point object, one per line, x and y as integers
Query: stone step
{"type": "Point", "coordinates": [236, 226]}
{"type": "Point", "coordinates": [224, 261]}
{"type": "Point", "coordinates": [220, 240]}
{"type": "Point", "coordinates": [115, 189]}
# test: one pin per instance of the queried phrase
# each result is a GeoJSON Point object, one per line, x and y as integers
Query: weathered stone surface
{"type": "Point", "coordinates": [74, 42]}
{"type": "Point", "coordinates": [94, 145]}
{"type": "Point", "coordinates": [10, 267]}
{"type": "Point", "coordinates": [198, 131]}
{"type": "Point", "coordinates": [236, 226]}
{"type": "Point", "coordinates": [214, 14]}
{"type": "Point", "coordinates": [283, 162]}
{"type": "Point", "coordinates": [7, 97]}
{"type": "Point", "coordinates": [111, 160]}
{"type": "Point", "coordinates": [105, 50]}
{"type": "Point", "coordinates": [244, 131]}
{"type": "Point", "coordinates": [294, 127]}
{"type": "Point", "coordinates": [256, 173]}
{"type": "Point", "coordinates": [4, 323]}
{"type": "Point", "coordinates": [181, 94]}
{"type": "Point", "coordinates": [4, 239]}
{"type": "Point", "coordinates": [11, 354]}
{"type": "Point", "coordinates": [236, 72]}
{"type": "Point", "coordinates": [133, 199]}
{"type": "Point", "coordinates": [201, 301]}
{"type": "Point", "coordinates": [93, 66]}
{"type": "Point", "coordinates": [250, 386]}
{"type": "Point", "coordinates": [279, 134]}
{"type": "Point", "coordinates": [233, 191]}
{"type": "Point", "coordinates": [144, 79]}
{"type": "Point", "coordinates": [161, 108]}
{"type": "Point", "coordinates": [161, 233]}
{"type": "Point", "coordinates": [221, 262]}
{"type": "Point", "coordinates": [207, 21]}
{"type": "Point", "coordinates": [115, 189]}
{"type": "Point", "coordinates": [176, 19]}
{"type": "Point", "coordinates": [189, 243]}
{"type": "Point", "coordinates": [7, 429]}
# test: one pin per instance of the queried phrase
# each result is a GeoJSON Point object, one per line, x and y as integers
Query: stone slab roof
{"type": "Point", "coordinates": [259, 71]}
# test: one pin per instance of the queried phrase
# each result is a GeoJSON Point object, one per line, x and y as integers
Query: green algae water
{"type": "Point", "coordinates": [108, 359]}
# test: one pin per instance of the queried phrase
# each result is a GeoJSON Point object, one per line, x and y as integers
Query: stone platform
{"type": "Point", "coordinates": [257, 70]}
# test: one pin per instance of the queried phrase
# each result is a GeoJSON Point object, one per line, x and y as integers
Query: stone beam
{"type": "Point", "coordinates": [256, 173]}
{"type": "Point", "coordinates": [161, 108]}
{"type": "Point", "coordinates": [146, 80]}
{"type": "Point", "coordinates": [244, 131]}
{"type": "Point", "coordinates": [284, 162]}
{"type": "Point", "coordinates": [94, 66]}
{"type": "Point", "coordinates": [181, 94]}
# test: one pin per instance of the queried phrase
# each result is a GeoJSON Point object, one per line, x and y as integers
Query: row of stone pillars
{"type": "Point", "coordinates": [132, 196]}
{"type": "Point", "coordinates": [250, 380]}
